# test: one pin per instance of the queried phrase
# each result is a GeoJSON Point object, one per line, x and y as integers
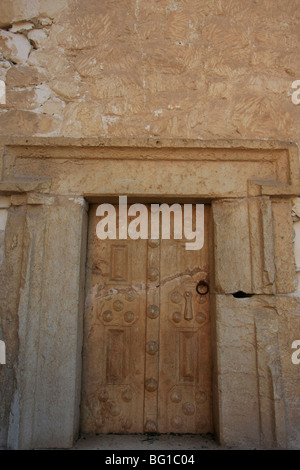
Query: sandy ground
{"type": "Point", "coordinates": [144, 442]}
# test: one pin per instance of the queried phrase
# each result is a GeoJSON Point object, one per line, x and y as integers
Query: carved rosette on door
{"type": "Point", "coordinates": [147, 351]}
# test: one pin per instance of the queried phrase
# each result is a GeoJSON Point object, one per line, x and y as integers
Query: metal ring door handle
{"type": "Point", "coordinates": [203, 286]}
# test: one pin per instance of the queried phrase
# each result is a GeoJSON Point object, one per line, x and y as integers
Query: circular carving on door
{"type": "Point", "coordinates": [127, 423]}
{"type": "Point", "coordinates": [151, 385]}
{"type": "Point", "coordinates": [188, 408]}
{"type": "Point", "coordinates": [176, 421]}
{"type": "Point", "coordinates": [129, 316]}
{"type": "Point", "coordinates": [201, 299]}
{"type": "Point", "coordinates": [176, 297]}
{"type": "Point", "coordinates": [153, 311]}
{"type": "Point", "coordinates": [118, 305]}
{"type": "Point", "coordinates": [103, 395]}
{"type": "Point", "coordinates": [176, 317]}
{"type": "Point", "coordinates": [127, 395]}
{"type": "Point", "coordinates": [176, 396]}
{"type": "Point", "coordinates": [107, 315]}
{"type": "Point", "coordinates": [130, 296]}
{"type": "Point", "coordinates": [150, 426]}
{"type": "Point", "coordinates": [201, 396]}
{"type": "Point", "coordinates": [201, 317]}
{"type": "Point", "coordinates": [114, 409]}
{"type": "Point", "coordinates": [153, 274]}
{"type": "Point", "coordinates": [202, 422]}
{"type": "Point", "coordinates": [153, 243]}
{"type": "Point", "coordinates": [152, 347]}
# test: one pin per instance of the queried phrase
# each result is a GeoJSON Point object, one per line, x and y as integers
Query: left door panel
{"type": "Point", "coordinates": [114, 334]}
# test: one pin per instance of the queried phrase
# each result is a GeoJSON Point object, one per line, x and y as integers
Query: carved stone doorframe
{"type": "Point", "coordinates": [46, 184]}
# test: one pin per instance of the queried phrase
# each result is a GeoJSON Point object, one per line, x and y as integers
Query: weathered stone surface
{"type": "Point", "coordinates": [11, 12]}
{"type": "Point", "coordinates": [289, 327]}
{"type": "Point", "coordinates": [10, 277]}
{"type": "Point", "coordinates": [14, 47]}
{"type": "Point", "coordinates": [284, 252]}
{"type": "Point", "coordinates": [296, 207]}
{"type": "Point", "coordinates": [41, 370]}
{"type": "Point", "coordinates": [157, 58]}
{"type": "Point", "coordinates": [261, 245]}
{"type": "Point", "coordinates": [83, 118]}
{"type": "Point", "coordinates": [3, 219]}
{"type": "Point", "coordinates": [4, 202]}
{"type": "Point", "coordinates": [21, 27]}
{"type": "Point", "coordinates": [23, 76]}
{"type": "Point", "coordinates": [207, 175]}
{"type": "Point", "coordinates": [2, 92]}
{"type": "Point", "coordinates": [65, 89]}
{"type": "Point", "coordinates": [54, 107]}
{"type": "Point", "coordinates": [37, 37]}
{"type": "Point", "coordinates": [254, 246]}
{"type": "Point", "coordinates": [254, 354]}
{"type": "Point", "coordinates": [4, 68]}
{"type": "Point", "coordinates": [27, 123]}
{"type": "Point", "coordinates": [296, 227]}
{"type": "Point", "coordinates": [232, 246]}
{"type": "Point", "coordinates": [21, 99]}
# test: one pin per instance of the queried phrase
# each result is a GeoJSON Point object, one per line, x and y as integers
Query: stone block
{"type": "Point", "coordinates": [37, 37]}
{"type": "Point", "coordinates": [27, 123]}
{"type": "Point", "coordinates": [10, 280]}
{"type": "Point", "coordinates": [249, 366]}
{"type": "Point", "coordinates": [49, 374]}
{"type": "Point", "coordinates": [289, 331]}
{"type": "Point", "coordinates": [232, 246]}
{"type": "Point", "coordinates": [65, 89]}
{"type": "Point", "coordinates": [262, 245]}
{"type": "Point", "coordinates": [19, 10]}
{"type": "Point", "coordinates": [296, 226]}
{"type": "Point", "coordinates": [5, 202]}
{"type": "Point", "coordinates": [23, 76]}
{"type": "Point", "coordinates": [3, 219]}
{"type": "Point", "coordinates": [20, 99]}
{"type": "Point", "coordinates": [21, 27]}
{"type": "Point", "coordinates": [284, 248]}
{"type": "Point", "coordinates": [14, 47]}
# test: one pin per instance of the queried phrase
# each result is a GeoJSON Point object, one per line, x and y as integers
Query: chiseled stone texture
{"type": "Point", "coordinates": [189, 68]}
{"type": "Point", "coordinates": [254, 250]}
{"type": "Point", "coordinates": [254, 357]}
{"type": "Point", "coordinates": [14, 47]}
{"type": "Point", "coordinates": [37, 407]}
{"type": "Point", "coordinates": [284, 252]}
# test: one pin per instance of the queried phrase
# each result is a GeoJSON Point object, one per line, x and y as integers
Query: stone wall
{"type": "Point", "coordinates": [185, 68]}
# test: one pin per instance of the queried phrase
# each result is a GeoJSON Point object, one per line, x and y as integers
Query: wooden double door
{"type": "Point", "coordinates": [147, 347]}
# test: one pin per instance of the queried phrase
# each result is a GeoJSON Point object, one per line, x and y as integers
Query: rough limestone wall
{"type": "Point", "coordinates": [185, 68]}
